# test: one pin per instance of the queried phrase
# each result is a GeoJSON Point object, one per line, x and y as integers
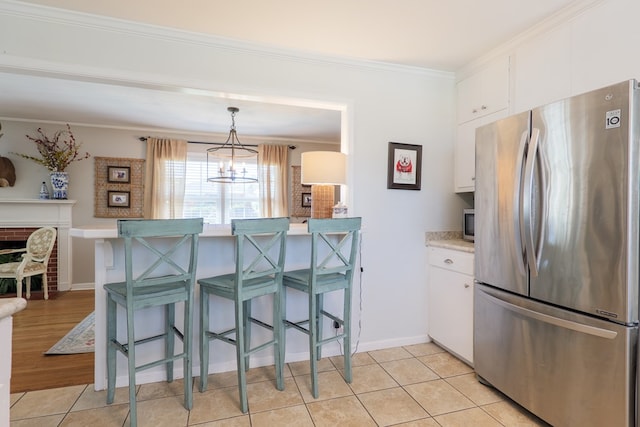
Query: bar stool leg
{"type": "Point", "coordinates": [188, 359]}
{"type": "Point", "coordinates": [241, 357]}
{"type": "Point", "coordinates": [112, 320]}
{"type": "Point", "coordinates": [131, 358]}
{"type": "Point", "coordinates": [313, 343]}
{"type": "Point", "coordinates": [169, 342]}
{"type": "Point", "coordinates": [204, 340]}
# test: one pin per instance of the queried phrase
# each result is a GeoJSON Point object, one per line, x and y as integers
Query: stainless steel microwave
{"type": "Point", "coordinates": [468, 224]}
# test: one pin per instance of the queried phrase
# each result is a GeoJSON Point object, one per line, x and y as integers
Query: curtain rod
{"type": "Point", "coordinates": [144, 139]}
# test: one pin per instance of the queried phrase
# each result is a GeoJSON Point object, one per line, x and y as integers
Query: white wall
{"type": "Point", "coordinates": [382, 104]}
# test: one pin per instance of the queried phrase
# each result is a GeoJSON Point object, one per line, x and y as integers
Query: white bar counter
{"type": "Point", "coordinates": [215, 256]}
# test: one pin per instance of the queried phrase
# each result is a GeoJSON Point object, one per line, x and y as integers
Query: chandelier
{"type": "Point", "coordinates": [224, 163]}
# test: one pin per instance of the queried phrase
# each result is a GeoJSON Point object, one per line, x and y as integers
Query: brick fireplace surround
{"type": "Point", "coordinates": [20, 217]}
{"type": "Point", "coordinates": [21, 234]}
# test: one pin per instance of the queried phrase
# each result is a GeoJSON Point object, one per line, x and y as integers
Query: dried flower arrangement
{"type": "Point", "coordinates": [57, 152]}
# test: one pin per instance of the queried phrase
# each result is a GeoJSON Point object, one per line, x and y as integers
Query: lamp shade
{"type": "Point", "coordinates": [323, 167]}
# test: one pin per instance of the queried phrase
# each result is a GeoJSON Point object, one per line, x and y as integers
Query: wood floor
{"type": "Point", "coordinates": [36, 329]}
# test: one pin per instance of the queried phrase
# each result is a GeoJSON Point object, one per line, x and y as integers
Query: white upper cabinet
{"type": "Point", "coordinates": [604, 41]}
{"type": "Point", "coordinates": [482, 98]}
{"type": "Point", "coordinates": [465, 152]}
{"type": "Point", "coordinates": [484, 92]}
{"type": "Point", "coordinates": [592, 50]}
{"type": "Point", "coordinates": [542, 70]}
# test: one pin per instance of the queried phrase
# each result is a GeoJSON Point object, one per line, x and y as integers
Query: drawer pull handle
{"type": "Point", "coordinates": [466, 285]}
{"type": "Point", "coordinates": [448, 261]}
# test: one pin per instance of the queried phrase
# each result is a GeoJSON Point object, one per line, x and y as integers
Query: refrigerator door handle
{"type": "Point", "coordinates": [517, 203]}
{"type": "Point", "coordinates": [527, 209]}
{"type": "Point", "coordinates": [552, 320]}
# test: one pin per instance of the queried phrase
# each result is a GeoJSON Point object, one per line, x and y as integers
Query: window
{"type": "Point", "coordinates": [218, 203]}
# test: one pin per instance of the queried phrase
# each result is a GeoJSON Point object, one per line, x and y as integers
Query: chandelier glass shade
{"type": "Point", "coordinates": [225, 162]}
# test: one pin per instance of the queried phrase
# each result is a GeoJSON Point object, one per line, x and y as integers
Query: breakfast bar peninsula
{"type": "Point", "coordinates": [215, 256]}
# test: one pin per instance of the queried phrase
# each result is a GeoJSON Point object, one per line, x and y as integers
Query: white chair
{"type": "Point", "coordinates": [34, 260]}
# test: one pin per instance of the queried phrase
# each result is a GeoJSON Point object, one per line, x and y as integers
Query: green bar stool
{"type": "Point", "coordinates": [157, 274]}
{"type": "Point", "coordinates": [334, 246]}
{"type": "Point", "coordinates": [260, 255]}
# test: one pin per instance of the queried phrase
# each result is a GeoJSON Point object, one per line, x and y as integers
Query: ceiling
{"type": "Point", "coordinates": [433, 34]}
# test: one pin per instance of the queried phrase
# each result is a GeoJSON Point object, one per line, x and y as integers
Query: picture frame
{"type": "Point", "coordinates": [118, 199]}
{"type": "Point", "coordinates": [305, 200]}
{"type": "Point", "coordinates": [119, 174]}
{"type": "Point", "coordinates": [404, 169]}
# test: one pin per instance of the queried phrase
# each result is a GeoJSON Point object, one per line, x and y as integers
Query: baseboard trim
{"type": "Point", "coordinates": [83, 287]}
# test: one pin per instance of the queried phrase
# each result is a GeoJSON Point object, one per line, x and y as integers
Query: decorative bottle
{"type": "Point", "coordinates": [44, 191]}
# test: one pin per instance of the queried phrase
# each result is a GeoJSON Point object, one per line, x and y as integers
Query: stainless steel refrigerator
{"type": "Point", "coordinates": [557, 257]}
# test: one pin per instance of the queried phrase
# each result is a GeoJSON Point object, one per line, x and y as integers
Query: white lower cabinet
{"type": "Point", "coordinates": [451, 300]}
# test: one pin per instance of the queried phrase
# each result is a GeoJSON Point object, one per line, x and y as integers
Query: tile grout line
{"type": "Point", "coordinates": [306, 404]}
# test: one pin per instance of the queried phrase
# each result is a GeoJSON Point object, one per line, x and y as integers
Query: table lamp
{"type": "Point", "coordinates": [323, 170]}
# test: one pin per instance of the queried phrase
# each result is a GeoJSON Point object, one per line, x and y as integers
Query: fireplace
{"type": "Point", "coordinates": [14, 238]}
{"type": "Point", "coordinates": [20, 217]}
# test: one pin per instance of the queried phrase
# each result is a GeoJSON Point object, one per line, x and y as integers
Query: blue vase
{"type": "Point", "coordinates": [44, 191]}
{"type": "Point", "coordinates": [59, 183]}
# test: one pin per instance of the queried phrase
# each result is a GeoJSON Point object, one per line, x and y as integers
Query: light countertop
{"type": "Point", "coordinates": [109, 231]}
{"type": "Point", "coordinates": [457, 244]}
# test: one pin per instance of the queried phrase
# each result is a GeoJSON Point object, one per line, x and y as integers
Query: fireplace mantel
{"type": "Point", "coordinates": [16, 213]}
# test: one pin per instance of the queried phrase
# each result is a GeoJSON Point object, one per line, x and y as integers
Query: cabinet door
{"type": "Point", "coordinates": [542, 70]}
{"type": "Point", "coordinates": [451, 311]}
{"type": "Point", "coordinates": [597, 58]}
{"type": "Point", "coordinates": [485, 92]}
{"type": "Point", "coordinates": [465, 152]}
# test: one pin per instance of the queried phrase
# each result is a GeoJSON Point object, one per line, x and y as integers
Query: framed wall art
{"type": "Point", "coordinates": [404, 170]}
{"type": "Point", "coordinates": [306, 200]}
{"type": "Point", "coordinates": [298, 207]}
{"type": "Point", "coordinates": [119, 187]}
{"type": "Point", "coordinates": [118, 199]}
{"type": "Point", "coordinates": [121, 174]}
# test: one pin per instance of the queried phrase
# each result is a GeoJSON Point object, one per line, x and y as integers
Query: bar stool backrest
{"type": "Point", "coordinates": [334, 245]}
{"type": "Point", "coordinates": [260, 250]}
{"type": "Point", "coordinates": [165, 265]}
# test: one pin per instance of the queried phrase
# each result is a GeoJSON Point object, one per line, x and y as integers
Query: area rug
{"type": "Point", "coordinates": [80, 339]}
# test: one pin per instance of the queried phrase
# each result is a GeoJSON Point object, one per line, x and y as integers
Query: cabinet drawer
{"type": "Point", "coordinates": [453, 260]}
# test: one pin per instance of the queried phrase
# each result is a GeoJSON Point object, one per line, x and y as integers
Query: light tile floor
{"type": "Point", "coordinates": [419, 385]}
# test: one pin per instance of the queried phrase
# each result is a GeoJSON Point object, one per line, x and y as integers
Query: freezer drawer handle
{"type": "Point", "coordinates": [562, 323]}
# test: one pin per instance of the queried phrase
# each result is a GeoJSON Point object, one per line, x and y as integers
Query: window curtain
{"type": "Point", "coordinates": [273, 180]}
{"type": "Point", "coordinates": [165, 177]}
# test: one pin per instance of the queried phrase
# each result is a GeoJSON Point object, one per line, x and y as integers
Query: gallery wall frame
{"type": "Point", "coordinates": [305, 200]}
{"type": "Point", "coordinates": [120, 174]}
{"type": "Point", "coordinates": [299, 208]}
{"type": "Point", "coordinates": [404, 168]}
{"type": "Point", "coordinates": [118, 187]}
{"type": "Point", "coordinates": [118, 199]}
